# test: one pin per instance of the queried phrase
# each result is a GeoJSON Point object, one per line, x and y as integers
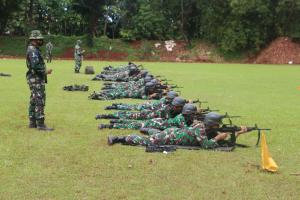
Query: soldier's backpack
{"type": "Point", "coordinates": [89, 70]}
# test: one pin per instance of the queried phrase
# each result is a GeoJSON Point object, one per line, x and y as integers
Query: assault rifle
{"type": "Point", "coordinates": [197, 101]}
{"type": "Point", "coordinates": [165, 80]}
{"type": "Point", "coordinates": [170, 148]}
{"type": "Point", "coordinates": [229, 128]}
{"type": "Point", "coordinates": [199, 116]}
{"type": "Point", "coordinates": [160, 148]}
{"type": "Point", "coordinates": [175, 86]}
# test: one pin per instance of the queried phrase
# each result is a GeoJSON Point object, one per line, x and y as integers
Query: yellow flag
{"type": "Point", "coordinates": [267, 161]}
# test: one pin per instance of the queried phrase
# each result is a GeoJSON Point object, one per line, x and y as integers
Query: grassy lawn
{"type": "Point", "coordinates": [74, 161]}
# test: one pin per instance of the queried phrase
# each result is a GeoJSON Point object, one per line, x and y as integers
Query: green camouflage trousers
{"type": "Point", "coordinates": [174, 136]}
{"type": "Point", "coordinates": [48, 56]}
{"type": "Point", "coordinates": [123, 106]}
{"type": "Point", "coordinates": [157, 123]}
{"type": "Point", "coordinates": [144, 114]}
{"type": "Point", "coordinates": [78, 62]}
{"type": "Point", "coordinates": [37, 97]}
{"type": "Point", "coordinates": [144, 106]}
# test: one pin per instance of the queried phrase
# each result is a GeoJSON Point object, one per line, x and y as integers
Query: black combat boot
{"type": "Point", "coordinates": [116, 139]}
{"type": "Point", "coordinates": [102, 126]}
{"type": "Point", "coordinates": [42, 126]}
{"type": "Point", "coordinates": [113, 121]}
{"type": "Point", "coordinates": [106, 116]}
{"type": "Point", "coordinates": [32, 122]}
{"type": "Point", "coordinates": [109, 108]}
{"type": "Point", "coordinates": [112, 107]}
{"type": "Point", "coordinates": [144, 130]}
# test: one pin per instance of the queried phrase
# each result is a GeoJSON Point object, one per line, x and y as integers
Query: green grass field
{"type": "Point", "coordinates": [74, 161]}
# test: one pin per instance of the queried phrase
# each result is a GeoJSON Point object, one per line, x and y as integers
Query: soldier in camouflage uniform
{"type": "Point", "coordinates": [78, 56]}
{"type": "Point", "coordinates": [130, 84]}
{"type": "Point", "coordinates": [123, 86]}
{"type": "Point", "coordinates": [150, 105]}
{"type": "Point", "coordinates": [159, 120]}
{"type": "Point", "coordinates": [165, 112]}
{"type": "Point", "coordinates": [36, 78]}
{"type": "Point", "coordinates": [145, 92]}
{"type": "Point", "coordinates": [187, 136]}
{"type": "Point", "coordinates": [113, 70]}
{"type": "Point", "coordinates": [49, 48]}
{"type": "Point", "coordinates": [123, 76]}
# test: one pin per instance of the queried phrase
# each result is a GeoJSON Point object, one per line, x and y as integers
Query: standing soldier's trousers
{"type": "Point", "coordinates": [49, 56]}
{"type": "Point", "coordinates": [37, 98]}
{"type": "Point", "coordinates": [78, 62]}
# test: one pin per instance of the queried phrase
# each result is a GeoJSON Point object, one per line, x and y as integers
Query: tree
{"type": "Point", "coordinates": [7, 8]}
{"type": "Point", "coordinates": [91, 11]}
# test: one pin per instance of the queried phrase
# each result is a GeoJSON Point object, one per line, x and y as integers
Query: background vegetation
{"type": "Point", "coordinates": [232, 25]}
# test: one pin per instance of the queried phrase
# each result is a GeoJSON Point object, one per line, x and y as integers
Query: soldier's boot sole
{"type": "Point", "coordinates": [110, 140]}
{"type": "Point", "coordinates": [45, 129]}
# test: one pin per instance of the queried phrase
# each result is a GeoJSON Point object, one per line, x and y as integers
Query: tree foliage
{"type": "Point", "coordinates": [233, 25]}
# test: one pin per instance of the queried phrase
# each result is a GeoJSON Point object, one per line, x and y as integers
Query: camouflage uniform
{"type": "Point", "coordinates": [49, 47]}
{"type": "Point", "coordinates": [122, 76]}
{"type": "Point", "coordinates": [174, 136]}
{"type": "Point", "coordinates": [114, 70]}
{"type": "Point", "coordinates": [164, 112]}
{"type": "Point", "coordinates": [128, 85]}
{"type": "Point", "coordinates": [118, 94]}
{"type": "Point", "coordinates": [157, 123]}
{"type": "Point", "coordinates": [36, 79]}
{"type": "Point", "coordinates": [150, 105]}
{"type": "Point", "coordinates": [78, 56]}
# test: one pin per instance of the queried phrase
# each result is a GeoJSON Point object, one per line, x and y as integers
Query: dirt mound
{"type": "Point", "coordinates": [281, 51]}
{"type": "Point", "coordinates": [68, 54]}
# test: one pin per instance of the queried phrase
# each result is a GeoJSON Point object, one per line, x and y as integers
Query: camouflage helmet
{"type": "Point", "coordinates": [149, 85]}
{"type": "Point", "coordinates": [171, 95]}
{"type": "Point", "coordinates": [154, 81]}
{"type": "Point", "coordinates": [36, 35]}
{"type": "Point", "coordinates": [178, 101]}
{"type": "Point", "coordinates": [212, 119]}
{"type": "Point", "coordinates": [147, 79]}
{"type": "Point", "coordinates": [78, 42]}
{"type": "Point", "coordinates": [144, 73]}
{"type": "Point", "coordinates": [189, 109]}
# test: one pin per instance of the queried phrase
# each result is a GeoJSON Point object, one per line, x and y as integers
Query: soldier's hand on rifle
{"type": "Point", "coordinates": [151, 96]}
{"type": "Point", "coordinates": [221, 136]}
{"type": "Point", "coordinates": [49, 71]}
{"type": "Point", "coordinates": [243, 130]}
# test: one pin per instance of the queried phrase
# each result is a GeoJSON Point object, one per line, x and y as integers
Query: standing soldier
{"type": "Point", "coordinates": [49, 47]}
{"type": "Point", "coordinates": [78, 56]}
{"type": "Point", "coordinates": [36, 78]}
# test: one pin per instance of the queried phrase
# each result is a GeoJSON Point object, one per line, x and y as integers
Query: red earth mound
{"type": "Point", "coordinates": [281, 51]}
{"type": "Point", "coordinates": [68, 54]}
